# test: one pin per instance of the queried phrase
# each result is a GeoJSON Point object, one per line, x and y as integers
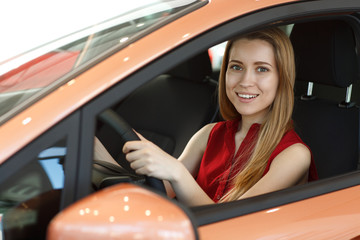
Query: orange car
{"type": "Point", "coordinates": [155, 69]}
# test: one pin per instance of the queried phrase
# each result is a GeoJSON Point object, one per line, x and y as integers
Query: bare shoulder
{"type": "Point", "coordinates": [296, 155]}
{"type": "Point", "coordinates": [202, 136]}
{"type": "Point", "coordinates": [298, 149]}
{"type": "Point", "coordinates": [205, 131]}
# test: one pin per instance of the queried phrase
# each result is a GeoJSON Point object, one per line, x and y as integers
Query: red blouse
{"type": "Point", "coordinates": [216, 167]}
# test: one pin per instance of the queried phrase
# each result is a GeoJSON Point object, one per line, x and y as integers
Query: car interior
{"type": "Point", "coordinates": [169, 109]}
{"type": "Point", "coordinates": [329, 123]}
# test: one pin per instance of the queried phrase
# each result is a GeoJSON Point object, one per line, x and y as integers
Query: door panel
{"type": "Point", "coordinates": [331, 216]}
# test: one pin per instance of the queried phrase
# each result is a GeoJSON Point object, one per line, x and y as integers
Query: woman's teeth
{"type": "Point", "coordinates": [247, 96]}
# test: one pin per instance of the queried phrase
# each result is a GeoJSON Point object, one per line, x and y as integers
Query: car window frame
{"type": "Point", "coordinates": [67, 128]}
{"type": "Point", "coordinates": [271, 16]}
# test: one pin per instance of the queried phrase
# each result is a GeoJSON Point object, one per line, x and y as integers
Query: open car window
{"type": "Point", "coordinates": [145, 109]}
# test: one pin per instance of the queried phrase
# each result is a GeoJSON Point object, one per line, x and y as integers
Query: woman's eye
{"type": "Point", "coordinates": [262, 69]}
{"type": "Point", "coordinates": [236, 67]}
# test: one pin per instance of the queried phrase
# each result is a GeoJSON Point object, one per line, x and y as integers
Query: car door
{"type": "Point", "coordinates": [298, 212]}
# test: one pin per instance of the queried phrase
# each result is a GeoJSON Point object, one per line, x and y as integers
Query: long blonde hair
{"type": "Point", "coordinates": [278, 120]}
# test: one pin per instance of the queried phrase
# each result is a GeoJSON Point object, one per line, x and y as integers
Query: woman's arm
{"type": "Point", "coordinates": [288, 168]}
{"type": "Point", "coordinates": [195, 148]}
{"type": "Point", "coordinates": [148, 159]}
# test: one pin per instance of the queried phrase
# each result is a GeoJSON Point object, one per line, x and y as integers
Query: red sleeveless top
{"type": "Point", "coordinates": [217, 168]}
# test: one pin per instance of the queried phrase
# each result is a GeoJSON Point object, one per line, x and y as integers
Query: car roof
{"type": "Point", "coordinates": [40, 116]}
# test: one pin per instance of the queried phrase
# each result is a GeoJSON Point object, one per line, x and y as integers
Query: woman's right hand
{"type": "Point", "coordinates": [148, 159]}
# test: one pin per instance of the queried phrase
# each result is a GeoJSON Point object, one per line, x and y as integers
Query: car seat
{"type": "Point", "coordinates": [325, 54]}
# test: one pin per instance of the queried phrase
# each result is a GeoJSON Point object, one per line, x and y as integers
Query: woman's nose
{"type": "Point", "coordinates": [247, 79]}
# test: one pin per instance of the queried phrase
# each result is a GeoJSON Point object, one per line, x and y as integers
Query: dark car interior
{"type": "Point", "coordinates": [168, 110]}
{"type": "Point", "coordinates": [328, 122]}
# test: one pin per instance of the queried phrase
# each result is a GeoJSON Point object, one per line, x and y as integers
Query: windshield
{"type": "Point", "coordinates": [23, 75]}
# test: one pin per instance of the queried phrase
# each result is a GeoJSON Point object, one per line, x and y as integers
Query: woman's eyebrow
{"type": "Point", "coordinates": [256, 63]}
{"type": "Point", "coordinates": [262, 63]}
{"type": "Point", "coordinates": [236, 61]}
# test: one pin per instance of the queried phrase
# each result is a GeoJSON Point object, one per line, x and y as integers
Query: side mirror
{"type": "Point", "coordinates": [123, 211]}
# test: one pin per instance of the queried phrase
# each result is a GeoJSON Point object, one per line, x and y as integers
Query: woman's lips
{"type": "Point", "coordinates": [246, 97]}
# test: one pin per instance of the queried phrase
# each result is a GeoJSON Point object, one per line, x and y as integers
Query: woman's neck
{"type": "Point", "coordinates": [245, 123]}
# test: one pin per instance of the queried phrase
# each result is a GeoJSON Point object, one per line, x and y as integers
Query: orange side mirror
{"type": "Point", "coordinates": [123, 211]}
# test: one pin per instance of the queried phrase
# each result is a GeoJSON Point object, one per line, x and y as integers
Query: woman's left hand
{"type": "Point", "coordinates": [148, 159]}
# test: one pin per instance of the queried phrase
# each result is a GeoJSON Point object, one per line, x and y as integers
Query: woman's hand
{"type": "Point", "coordinates": [148, 159]}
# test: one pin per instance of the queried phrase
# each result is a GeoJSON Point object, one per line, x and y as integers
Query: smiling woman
{"type": "Point", "coordinates": [256, 150]}
{"type": "Point", "coordinates": [256, 97]}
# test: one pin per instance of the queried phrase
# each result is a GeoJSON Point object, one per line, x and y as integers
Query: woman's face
{"type": "Point", "coordinates": [252, 78]}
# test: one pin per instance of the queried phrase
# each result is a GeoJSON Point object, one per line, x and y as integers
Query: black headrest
{"type": "Point", "coordinates": [194, 69]}
{"type": "Point", "coordinates": [325, 52]}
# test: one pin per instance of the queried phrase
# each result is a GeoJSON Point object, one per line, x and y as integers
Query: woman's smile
{"type": "Point", "coordinates": [246, 97]}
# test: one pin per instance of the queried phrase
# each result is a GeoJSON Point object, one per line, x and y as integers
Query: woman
{"type": "Point", "coordinates": [255, 150]}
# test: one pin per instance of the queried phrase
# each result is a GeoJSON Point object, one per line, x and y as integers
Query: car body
{"type": "Point", "coordinates": [49, 121]}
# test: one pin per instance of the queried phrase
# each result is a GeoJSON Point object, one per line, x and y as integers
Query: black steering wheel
{"type": "Point", "coordinates": [124, 130]}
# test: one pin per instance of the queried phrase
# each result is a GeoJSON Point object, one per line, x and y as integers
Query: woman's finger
{"type": "Point", "coordinates": [137, 164]}
{"type": "Point", "coordinates": [132, 146]}
{"type": "Point", "coordinates": [142, 171]}
{"type": "Point", "coordinates": [140, 136]}
{"type": "Point", "coordinates": [134, 155]}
